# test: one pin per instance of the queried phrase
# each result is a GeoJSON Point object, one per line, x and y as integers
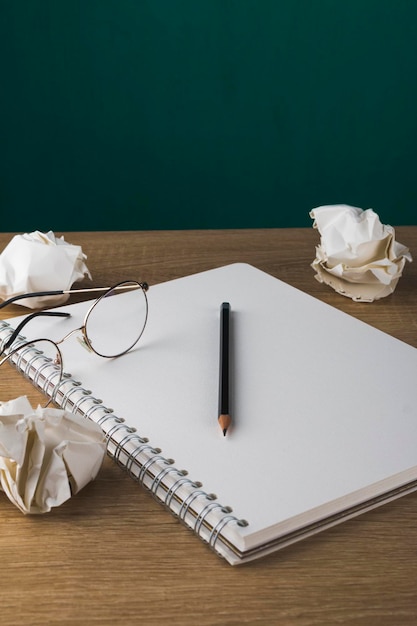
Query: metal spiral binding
{"type": "Point", "coordinates": [55, 386]}
{"type": "Point", "coordinates": [65, 380]}
{"type": "Point", "coordinates": [38, 370]}
{"type": "Point", "coordinates": [164, 472]}
{"type": "Point", "coordinates": [25, 365]}
{"type": "Point", "coordinates": [146, 466]}
{"type": "Point", "coordinates": [5, 326]}
{"type": "Point", "coordinates": [86, 396]}
{"type": "Point", "coordinates": [185, 506]}
{"type": "Point", "coordinates": [174, 488]}
{"type": "Point", "coordinates": [67, 397]}
{"type": "Point", "coordinates": [136, 452]}
{"type": "Point", "coordinates": [114, 429]}
{"type": "Point", "coordinates": [209, 508]}
{"type": "Point", "coordinates": [97, 406]}
{"type": "Point", "coordinates": [77, 397]}
{"type": "Point", "coordinates": [214, 535]}
{"type": "Point", "coordinates": [20, 357]}
{"type": "Point", "coordinates": [108, 415]}
{"type": "Point", "coordinates": [131, 436]}
{"type": "Point", "coordinates": [39, 375]}
{"type": "Point", "coordinates": [36, 357]}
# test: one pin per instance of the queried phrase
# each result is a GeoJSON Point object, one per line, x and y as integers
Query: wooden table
{"type": "Point", "coordinates": [113, 555]}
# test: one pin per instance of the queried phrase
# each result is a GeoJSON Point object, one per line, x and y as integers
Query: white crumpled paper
{"type": "Point", "coordinates": [357, 256]}
{"type": "Point", "coordinates": [40, 262]}
{"type": "Point", "coordinates": [46, 455]}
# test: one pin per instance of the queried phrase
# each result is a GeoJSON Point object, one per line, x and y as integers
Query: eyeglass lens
{"type": "Point", "coordinates": [40, 361]}
{"type": "Point", "coordinates": [115, 324]}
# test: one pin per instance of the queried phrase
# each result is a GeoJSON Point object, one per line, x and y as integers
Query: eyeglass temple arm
{"type": "Point", "coordinates": [27, 319]}
{"type": "Point", "coordinates": [61, 292]}
{"type": "Point", "coordinates": [36, 294]}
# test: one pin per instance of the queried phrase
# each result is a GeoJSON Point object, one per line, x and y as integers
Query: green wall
{"type": "Point", "coordinates": [149, 114]}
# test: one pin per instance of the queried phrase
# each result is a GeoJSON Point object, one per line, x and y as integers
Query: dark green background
{"type": "Point", "coordinates": [149, 114]}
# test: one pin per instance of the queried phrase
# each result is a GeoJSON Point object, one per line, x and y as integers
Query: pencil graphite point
{"type": "Point", "coordinates": [224, 421]}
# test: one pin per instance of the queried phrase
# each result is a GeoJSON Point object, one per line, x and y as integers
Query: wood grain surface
{"type": "Point", "coordinates": [113, 555]}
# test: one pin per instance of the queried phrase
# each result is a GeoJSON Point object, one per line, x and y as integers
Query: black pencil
{"type": "Point", "coordinates": [224, 368]}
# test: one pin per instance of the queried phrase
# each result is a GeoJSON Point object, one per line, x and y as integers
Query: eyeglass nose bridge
{"type": "Point", "coordinates": [83, 339]}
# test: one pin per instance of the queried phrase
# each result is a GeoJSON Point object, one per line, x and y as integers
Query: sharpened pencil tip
{"type": "Point", "coordinates": [224, 421]}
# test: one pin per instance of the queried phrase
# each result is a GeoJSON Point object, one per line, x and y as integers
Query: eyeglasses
{"type": "Point", "coordinates": [106, 313]}
{"type": "Point", "coordinates": [111, 326]}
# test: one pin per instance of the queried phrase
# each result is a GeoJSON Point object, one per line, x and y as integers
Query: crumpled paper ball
{"type": "Point", "coordinates": [46, 455]}
{"type": "Point", "coordinates": [38, 261]}
{"type": "Point", "coordinates": [358, 256]}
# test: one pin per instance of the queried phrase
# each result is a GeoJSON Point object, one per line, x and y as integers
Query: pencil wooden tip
{"type": "Point", "coordinates": [224, 420]}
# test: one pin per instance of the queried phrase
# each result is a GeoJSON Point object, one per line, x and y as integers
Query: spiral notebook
{"type": "Point", "coordinates": [324, 409]}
